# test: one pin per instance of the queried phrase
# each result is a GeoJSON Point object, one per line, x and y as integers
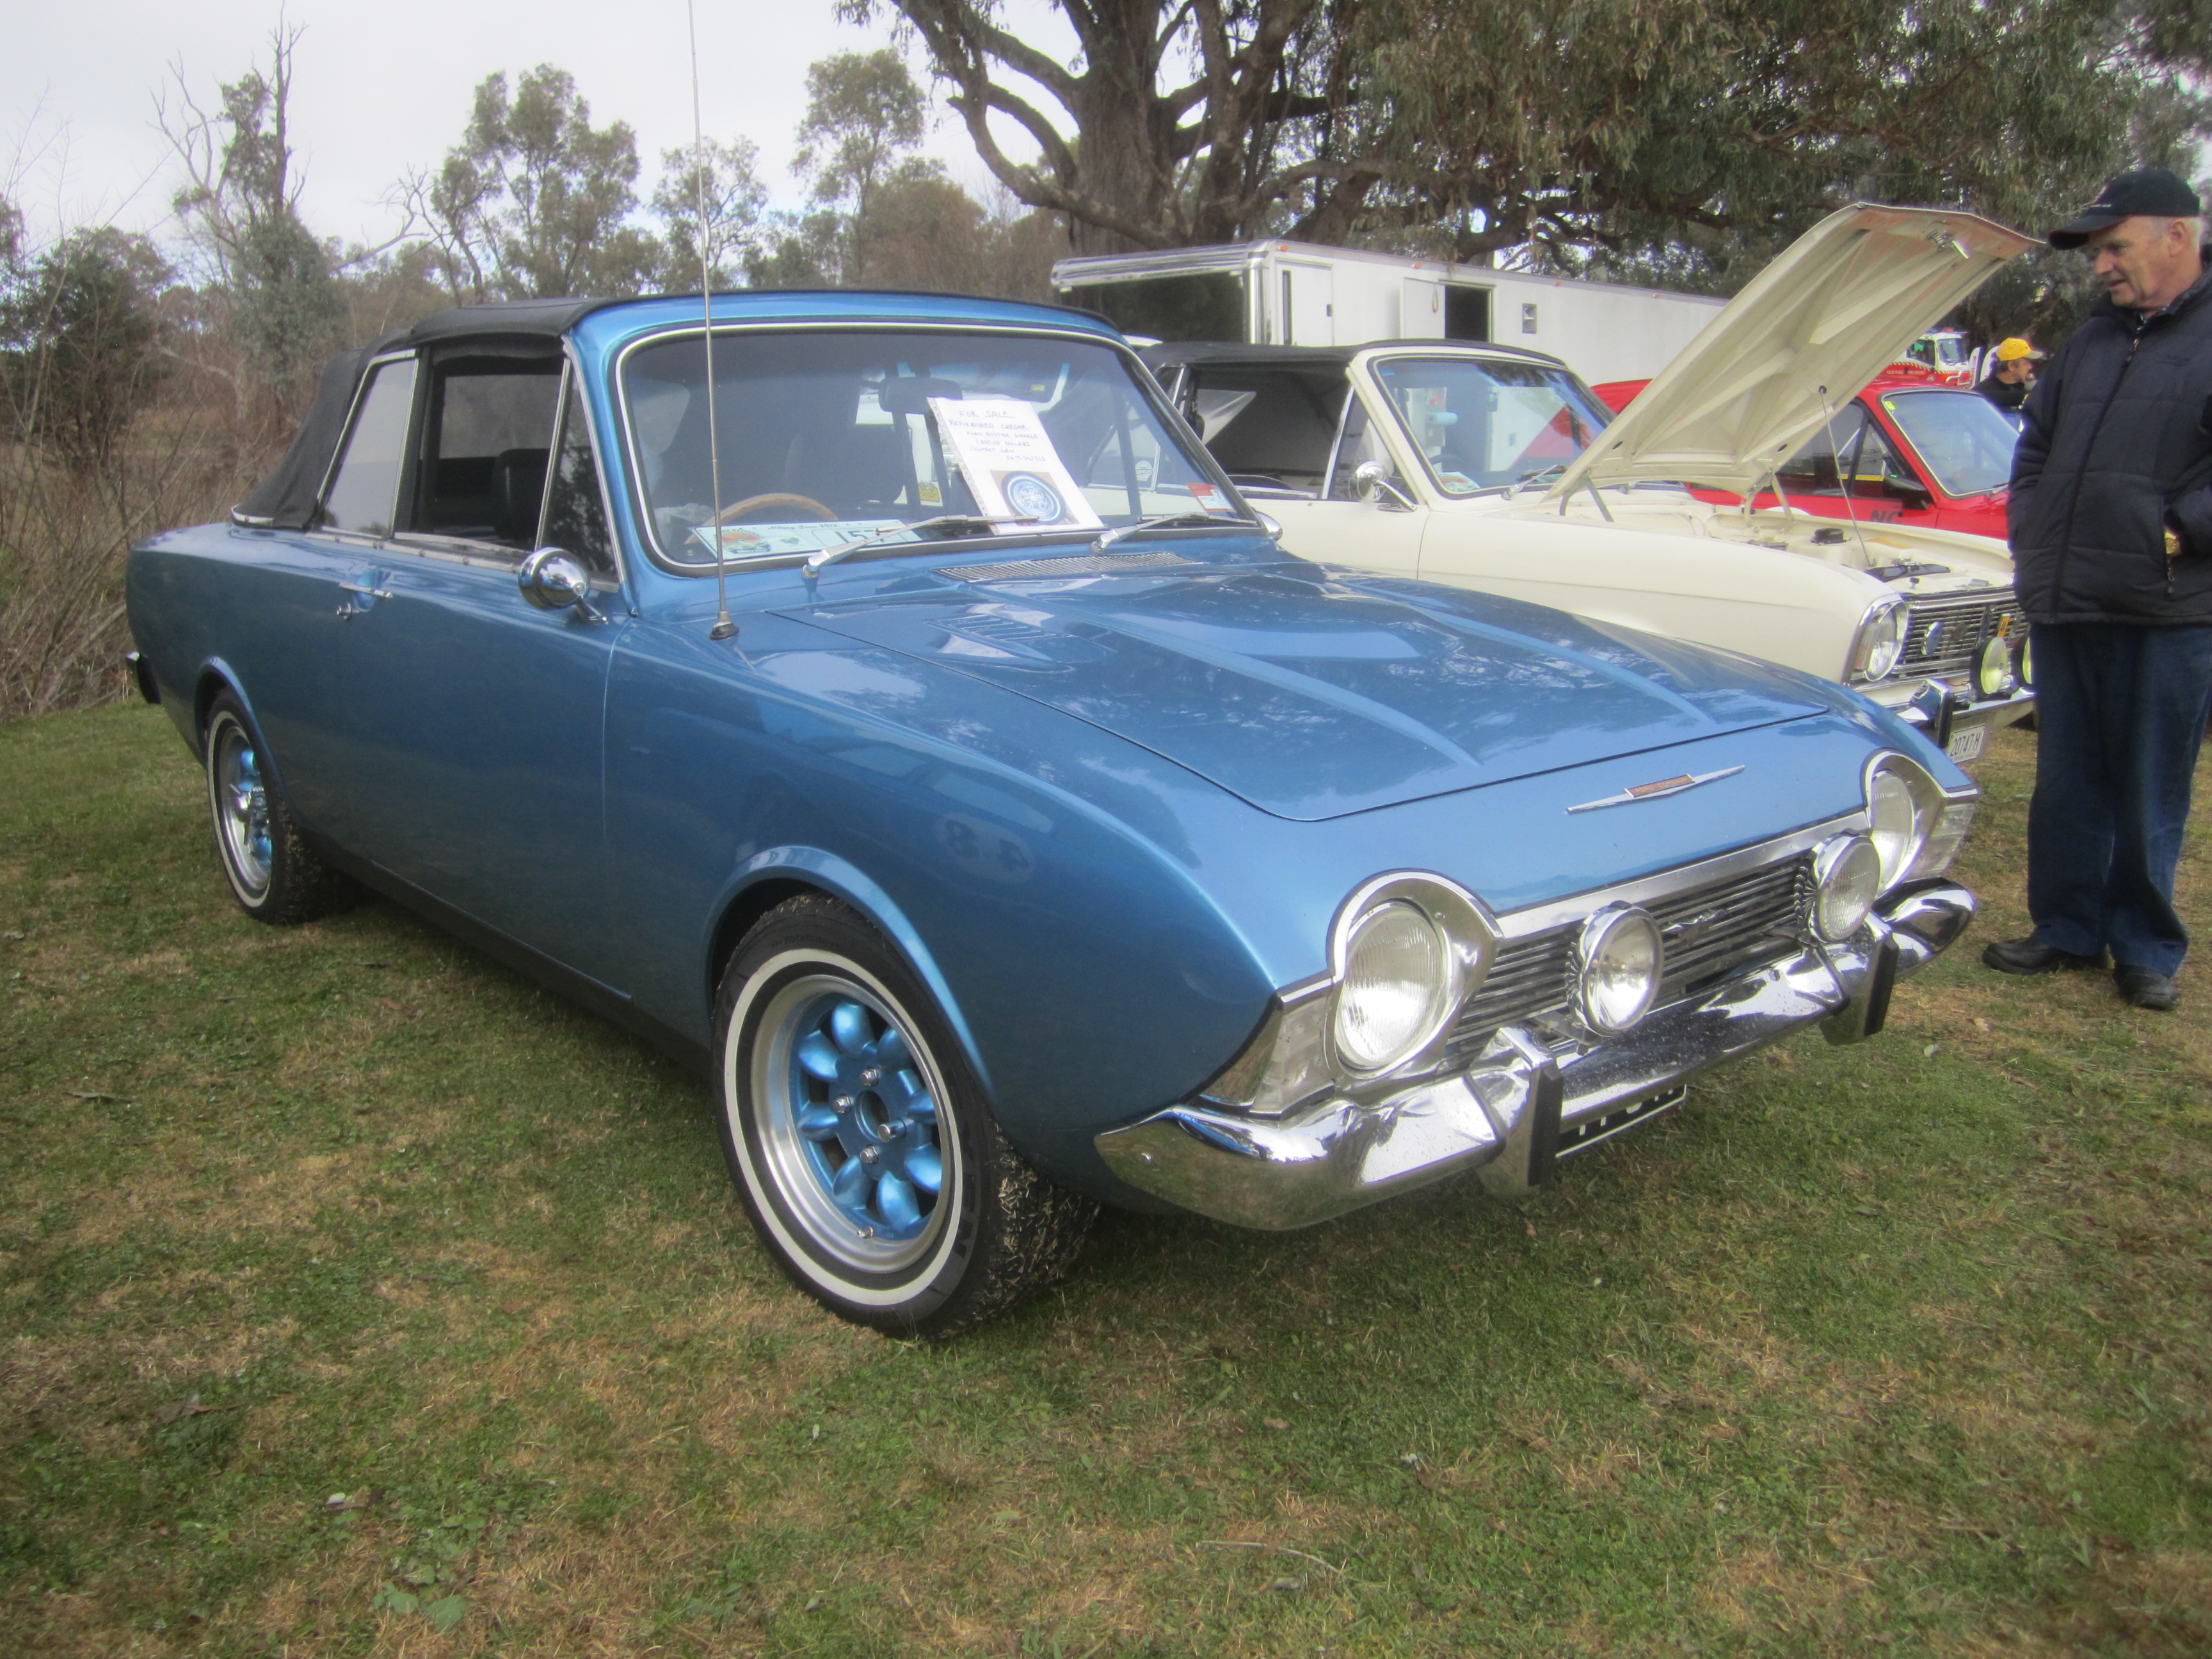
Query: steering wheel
{"type": "Point", "coordinates": [782, 500]}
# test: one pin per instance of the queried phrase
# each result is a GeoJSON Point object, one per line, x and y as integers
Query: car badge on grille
{"type": "Point", "coordinates": [1692, 928]}
{"type": "Point", "coordinates": [1656, 789]}
{"type": "Point", "coordinates": [1934, 643]}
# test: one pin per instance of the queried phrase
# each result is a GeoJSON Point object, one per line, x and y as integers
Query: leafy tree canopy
{"type": "Point", "coordinates": [1699, 135]}
{"type": "Point", "coordinates": [535, 201]}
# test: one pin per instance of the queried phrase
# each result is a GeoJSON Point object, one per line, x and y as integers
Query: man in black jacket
{"type": "Point", "coordinates": [2111, 541]}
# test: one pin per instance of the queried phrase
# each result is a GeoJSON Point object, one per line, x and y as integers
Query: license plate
{"type": "Point", "coordinates": [1967, 745]}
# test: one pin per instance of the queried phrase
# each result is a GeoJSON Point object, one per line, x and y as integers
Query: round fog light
{"type": "Point", "coordinates": [1847, 880]}
{"type": "Point", "coordinates": [1619, 958]}
{"type": "Point", "coordinates": [1993, 675]}
{"type": "Point", "coordinates": [1396, 974]}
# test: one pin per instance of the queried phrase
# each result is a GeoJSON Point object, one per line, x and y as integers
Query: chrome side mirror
{"type": "Point", "coordinates": [1374, 481]}
{"type": "Point", "coordinates": [1269, 523]}
{"type": "Point", "coordinates": [552, 580]}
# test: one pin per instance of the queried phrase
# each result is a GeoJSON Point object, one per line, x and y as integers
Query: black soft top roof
{"type": "Point", "coordinates": [285, 499]}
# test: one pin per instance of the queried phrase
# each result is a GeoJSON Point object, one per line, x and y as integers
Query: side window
{"type": "Point", "coordinates": [365, 489]}
{"type": "Point", "coordinates": [488, 440]}
{"type": "Point", "coordinates": [576, 513]}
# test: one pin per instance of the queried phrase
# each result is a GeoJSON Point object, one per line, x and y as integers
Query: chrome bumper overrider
{"type": "Point", "coordinates": [1965, 711]}
{"type": "Point", "coordinates": [1503, 1115]}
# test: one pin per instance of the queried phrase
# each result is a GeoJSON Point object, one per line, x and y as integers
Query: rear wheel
{"type": "Point", "coordinates": [273, 874]}
{"type": "Point", "coordinates": [859, 1140]}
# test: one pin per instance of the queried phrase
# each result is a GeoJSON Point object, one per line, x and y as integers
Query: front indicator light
{"type": "Point", "coordinates": [1993, 675]}
{"type": "Point", "coordinates": [1847, 881]}
{"type": "Point", "coordinates": [1397, 972]}
{"type": "Point", "coordinates": [1619, 958]}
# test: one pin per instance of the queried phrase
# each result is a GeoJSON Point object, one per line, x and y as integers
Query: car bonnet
{"type": "Point", "coordinates": [1311, 694]}
{"type": "Point", "coordinates": [1819, 323]}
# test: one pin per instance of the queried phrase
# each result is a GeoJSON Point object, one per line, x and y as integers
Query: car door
{"type": "Point", "coordinates": [285, 628]}
{"type": "Point", "coordinates": [477, 718]}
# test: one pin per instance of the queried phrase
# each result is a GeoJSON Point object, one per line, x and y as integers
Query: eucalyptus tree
{"type": "Point", "coordinates": [535, 201]}
{"type": "Point", "coordinates": [1698, 133]}
{"type": "Point", "coordinates": [259, 266]}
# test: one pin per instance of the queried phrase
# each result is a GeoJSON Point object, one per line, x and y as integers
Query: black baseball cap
{"type": "Point", "coordinates": [2149, 192]}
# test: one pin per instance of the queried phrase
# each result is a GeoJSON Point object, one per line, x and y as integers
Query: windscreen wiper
{"type": "Point", "coordinates": [953, 524]}
{"type": "Point", "coordinates": [1167, 521]}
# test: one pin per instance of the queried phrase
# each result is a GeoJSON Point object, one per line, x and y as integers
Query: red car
{"type": "Point", "coordinates": [1907, 450]}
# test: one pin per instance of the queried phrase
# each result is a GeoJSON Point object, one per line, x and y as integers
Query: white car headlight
{"type": "Point", "coordinates": [1618, 959]}
{"type": "Point", "coordinates": [1878, 646]}
{"type": "Point", "coordinates": [1847, 881]}
{"type": "Point", "coordinates": [1397, 974]}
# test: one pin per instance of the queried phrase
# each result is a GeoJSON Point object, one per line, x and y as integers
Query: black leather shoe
{"type": "Point", "coordinates": [2145, 987]}
{"type": "Point", "coordinates": [2032, 956]}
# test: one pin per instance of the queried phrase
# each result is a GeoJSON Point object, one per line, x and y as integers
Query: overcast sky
{"type": "Point", "coordinates": [382, 86]}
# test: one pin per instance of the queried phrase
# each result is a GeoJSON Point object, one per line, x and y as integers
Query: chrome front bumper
{"type": "Point", "coordinates": [1505, 1113]}
{"type": "Point", "coordinates": [1941, 706]}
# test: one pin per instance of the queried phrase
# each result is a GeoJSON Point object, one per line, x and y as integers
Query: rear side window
{"type": "Point", "coordinates": [363, 493]}
{"type": "Point", "coordinates": [489, 440]}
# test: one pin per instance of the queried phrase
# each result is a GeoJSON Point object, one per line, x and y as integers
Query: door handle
{"type": "Point", "coordinates": [373, 592]}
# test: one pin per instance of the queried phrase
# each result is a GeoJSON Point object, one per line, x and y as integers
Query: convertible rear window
{"type": "Point", "coordinates": [823, 437]}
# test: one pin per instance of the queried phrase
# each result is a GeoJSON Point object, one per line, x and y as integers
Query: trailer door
{"type": "Point", "coordinates": [1309, 306]}
{"type": "Point", "coordinates": [1421, 310]}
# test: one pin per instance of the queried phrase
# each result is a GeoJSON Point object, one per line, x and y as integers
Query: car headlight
{"type": "Point", "coordinates": [1618, 959]}
{"type": "Point", "coordinates": [2027, 662]}
{"type": "Point", "coordinates": [1878, 646]}
{"type": "Point", "coordinates": [1906, 808]}
{"type": "Point", "coordinates": [1396, 976]}
{"type": "Point", "coordinates": [1406, 951]}
{"type": "Point", "coordinates": [1847, 881]}
{"type": "Point", "coordinates": [1993, 675]}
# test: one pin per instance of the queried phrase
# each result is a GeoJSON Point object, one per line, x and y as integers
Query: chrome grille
{"type": "Point", "coordinates": [1709, 930]}
{"type": "Point", "coordinates": [1967, 621]}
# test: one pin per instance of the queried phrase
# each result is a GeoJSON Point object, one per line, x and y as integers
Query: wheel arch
{"type": "Point", "coordinates": [777, 873]}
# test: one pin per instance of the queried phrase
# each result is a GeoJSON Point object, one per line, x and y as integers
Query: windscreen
{"type": "Point", "coordinates": [1962, 438]}
{"type": "Point", "coordinates": [826, 438]}
{"type": "Point", "coordinates": [1482, 423]}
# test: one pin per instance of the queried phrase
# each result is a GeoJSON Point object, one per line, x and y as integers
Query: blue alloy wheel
{"type": "Point", "coordinates": [860, 1140]}
{"type": "Point", "coordinates": [848, 1124]}
{"type": "Point", "coordinates": [241, 809]}
{"type": "Point", "coordinates": [275, 875]}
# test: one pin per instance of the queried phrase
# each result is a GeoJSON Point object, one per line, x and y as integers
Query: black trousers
{"type": "Point", "coordinates": [2120, 711]}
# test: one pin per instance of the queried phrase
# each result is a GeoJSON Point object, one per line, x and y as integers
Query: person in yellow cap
{"type": "Point", "coordinates": [2012, 373]}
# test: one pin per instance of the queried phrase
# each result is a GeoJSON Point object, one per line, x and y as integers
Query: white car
{"type": "Point", "coordinates": [1489, 467]}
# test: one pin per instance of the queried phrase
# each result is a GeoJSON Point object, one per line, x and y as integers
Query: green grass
{"type": "Point", "coordinates": [1903, 1348]}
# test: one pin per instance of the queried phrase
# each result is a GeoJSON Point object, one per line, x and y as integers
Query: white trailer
{"type": "Point", "coordinates": [1302, 293]}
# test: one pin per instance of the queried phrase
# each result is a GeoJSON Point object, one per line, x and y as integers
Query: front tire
{"type": "Point", "coordinates": [859, 1138]}
{"type": "Point", "coordinates": [273, 874]}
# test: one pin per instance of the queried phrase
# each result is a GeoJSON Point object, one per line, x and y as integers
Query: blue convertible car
{"type": "Point", "coordinates": [884, 701]}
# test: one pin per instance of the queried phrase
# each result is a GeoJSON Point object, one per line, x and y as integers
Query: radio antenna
{"type": "Point", "coordinates": [723, 629]}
